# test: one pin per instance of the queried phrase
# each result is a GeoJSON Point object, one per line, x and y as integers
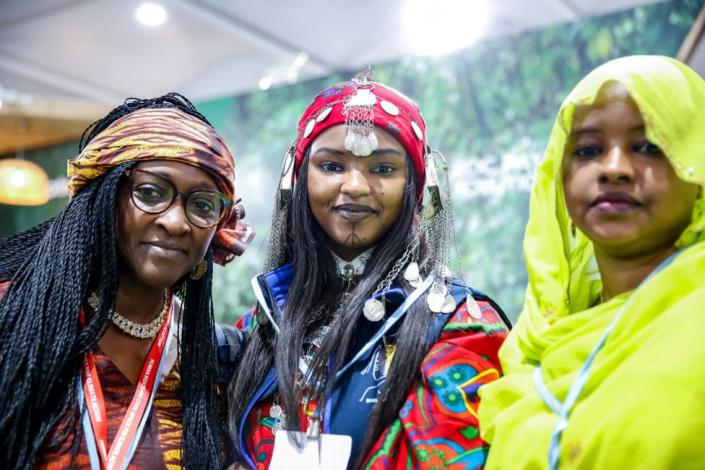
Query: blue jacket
{"type": "Point", "coordinates": [355, 392]}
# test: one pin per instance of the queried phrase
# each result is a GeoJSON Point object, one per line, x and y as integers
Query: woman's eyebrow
{"type": "Point", "coordinates": [167, 176]}
{"type": "Point", "coordinates": [586, 130]}
{"type": "Point", "coordinates": [386, 151]}
{"type": "Point", "coordinates": [600, 130]}
{"type": "Point", "coordinates": [375, 153]}
{"type": "Point", "coordinates": [329, 150]}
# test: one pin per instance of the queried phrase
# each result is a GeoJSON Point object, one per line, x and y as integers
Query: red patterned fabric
{"type": "Point", "coordinates": [160, 444]}
{"type": "Point", "coordinates": [437, 427]}
{"type": "Point", "coordinates": [399, 126]}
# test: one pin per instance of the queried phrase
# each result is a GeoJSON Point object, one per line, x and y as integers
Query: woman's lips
{"type": "Point", "coordinates": [165, 249]}
{"type": "Point", "coordinates": [354, 212]}
{"type": "Point", "coordinates": [615, 202]}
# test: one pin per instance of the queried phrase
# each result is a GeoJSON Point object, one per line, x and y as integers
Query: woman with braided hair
{"type": "Point", "coordinates": [107, 340]}
{"type": "Point", "coordinates": [362, 342]}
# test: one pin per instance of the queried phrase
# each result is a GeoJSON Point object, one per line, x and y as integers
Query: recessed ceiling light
{"type": "Point", "coordinates": [443, 26]}
{"type": "Point", "coordinates": [265, 83]}
{"type": "Point", "coordinates": [300, 60]}
{"type": "Point", "coordinates": [292, 75]}
{"type": "Point", "coordinates": [151, 14]}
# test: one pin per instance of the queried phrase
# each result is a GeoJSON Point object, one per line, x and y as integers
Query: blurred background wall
{"type": "Point", "coordinates": [489, 99]}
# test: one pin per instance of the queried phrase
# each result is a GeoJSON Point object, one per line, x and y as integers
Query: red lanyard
{"type": "Point", "coordinates": [114, 457]}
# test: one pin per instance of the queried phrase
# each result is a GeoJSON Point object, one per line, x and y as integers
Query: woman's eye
{"type": "Point", "coordinates": [202, 204]}
{"type": "Point", "coordinates": [586, 151]}
{"type": "Point", "coordinates": [330, 167]}
{"type": "Point", "coordinates": [383, 169]}
{"type": "Point", "coordinates": [149, 192]}
{"type": "Point", "coordinates": [647, 148]}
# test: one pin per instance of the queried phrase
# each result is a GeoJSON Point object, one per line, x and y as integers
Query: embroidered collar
{"type": "Point", "coordinates": [349, 270]}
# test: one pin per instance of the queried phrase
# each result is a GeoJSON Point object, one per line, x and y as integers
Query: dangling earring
{"type": "Point", "coordinates": [199, 270]}
{"type": "Point", "coordinates": [286, 182]}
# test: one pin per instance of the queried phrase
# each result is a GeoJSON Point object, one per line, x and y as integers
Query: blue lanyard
{"type": "Point", "coordinates": [388, 324]}
{"type": "Point", "coordinates": [563, 409]}
{"type": "Point", "coordinates": [391, 321]}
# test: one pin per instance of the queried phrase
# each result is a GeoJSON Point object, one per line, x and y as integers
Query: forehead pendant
{"type": "Point", "coordinates": [360, 138]}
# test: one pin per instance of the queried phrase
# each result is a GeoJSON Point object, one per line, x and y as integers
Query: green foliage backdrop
{"type": "Point", "coordinates": [489, 109]}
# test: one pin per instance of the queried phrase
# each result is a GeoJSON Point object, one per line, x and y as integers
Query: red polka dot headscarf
{"type": "Point", "coordinates": [362, 104]}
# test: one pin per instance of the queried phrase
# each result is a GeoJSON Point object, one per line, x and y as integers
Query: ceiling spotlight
{"type": "Point", "coordinates": [265, 82]}
{"type": "Point", "coordinates": [443, 26]}
{"type": "Point", "coordinates": [292, 75]}
{"type": "Point", "coordinates": [151, 14]}
{"type": "Point", "coordinates": [300, 60]}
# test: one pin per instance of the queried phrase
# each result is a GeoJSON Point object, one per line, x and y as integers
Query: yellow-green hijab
{"type": "Point", "coordinates": [644, 404]}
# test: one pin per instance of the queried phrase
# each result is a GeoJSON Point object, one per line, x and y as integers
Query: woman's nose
{"type": "Point", "coordinates": [355, 183]}
{"type": "Point", "coordinates": [174, 219]}
{"type": "Point", "coordinates": [617, 166]}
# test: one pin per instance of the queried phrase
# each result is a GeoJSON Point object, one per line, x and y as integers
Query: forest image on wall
{"type": "Point", "coordinates": [489, 110]}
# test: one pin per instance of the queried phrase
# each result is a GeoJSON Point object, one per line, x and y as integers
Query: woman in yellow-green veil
{"type": "Point", "coordinates": [606, 366]}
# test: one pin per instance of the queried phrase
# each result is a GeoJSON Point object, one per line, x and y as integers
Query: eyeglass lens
{"type": "Point", "coordinates": [154, 194]}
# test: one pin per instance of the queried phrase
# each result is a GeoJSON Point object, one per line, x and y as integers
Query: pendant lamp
{"type": "Point", "coordinates": [23, 183]}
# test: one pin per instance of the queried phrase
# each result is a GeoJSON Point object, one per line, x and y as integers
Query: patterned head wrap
{"type": "Point", "coordinates": [361, 104]}
{"type": "Point", "coordinates": [166, 134]}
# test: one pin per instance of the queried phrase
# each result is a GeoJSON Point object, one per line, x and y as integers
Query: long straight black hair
{"type": "Point", "coordinates": [52, 269]}
{"type": "Point", "coordinates": [315, 283]}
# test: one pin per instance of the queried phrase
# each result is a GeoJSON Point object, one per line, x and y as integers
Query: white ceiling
{"type": "Point", "coordinates": [95, 50]}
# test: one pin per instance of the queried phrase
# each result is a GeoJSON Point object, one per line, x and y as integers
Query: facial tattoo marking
{"type": "Point", "coordinates": [353, 239]}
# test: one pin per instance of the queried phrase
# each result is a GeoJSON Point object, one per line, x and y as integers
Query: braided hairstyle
{"type": "Point", "coordinates": [52, 269]}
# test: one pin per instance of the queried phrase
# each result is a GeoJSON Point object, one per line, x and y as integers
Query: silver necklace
{"type": "Point", "coordinates": [131, 328]}
{"type": "Point", "coordinates": [276, 411]}
{"type": "Point", "coordinates": [348, 270]}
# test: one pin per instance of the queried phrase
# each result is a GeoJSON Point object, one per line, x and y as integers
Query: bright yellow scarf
{"type": "Point", "coordinates": [644, 404]}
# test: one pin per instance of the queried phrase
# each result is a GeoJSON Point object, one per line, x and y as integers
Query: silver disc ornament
{"type": "Point", "coordinates": [412, 274]}
{"type": "Point", "coordinates": [437, 297]}
{"type": "Point", "coordinates": [473, 307]}
{"type": "Point", "coordinates": [373, 310]}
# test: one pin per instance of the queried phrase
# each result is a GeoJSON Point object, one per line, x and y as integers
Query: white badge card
{"type": "Point", "coordinates": [333, 454]}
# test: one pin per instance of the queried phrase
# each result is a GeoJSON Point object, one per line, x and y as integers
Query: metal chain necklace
{"type": "Point", "coordinates": [314, 342]}
{"type": "Point", "coordinates": [134, 329]}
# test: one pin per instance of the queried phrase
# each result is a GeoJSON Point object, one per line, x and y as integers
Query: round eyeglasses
{"type": "Point", "coordinates": [154, 194]}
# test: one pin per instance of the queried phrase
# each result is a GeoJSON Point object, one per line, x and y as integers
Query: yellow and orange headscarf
{"type": "Point", "coordinates": [166, 134]}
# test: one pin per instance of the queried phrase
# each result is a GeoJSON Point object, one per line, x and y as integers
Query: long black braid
{"type": "Point", "coordinates": [52, 268]}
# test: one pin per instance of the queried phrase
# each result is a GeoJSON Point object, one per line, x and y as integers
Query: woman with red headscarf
{"type": "Point", "coordinates": [107, 340]}
{"type": "Point", "coordinates": [364, 350]}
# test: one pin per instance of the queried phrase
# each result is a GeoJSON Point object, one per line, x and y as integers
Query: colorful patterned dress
{"type": "Point", "coordinates": [436, 428]}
